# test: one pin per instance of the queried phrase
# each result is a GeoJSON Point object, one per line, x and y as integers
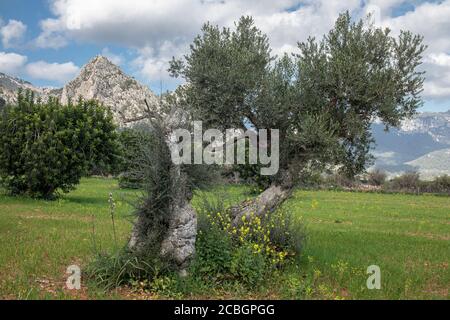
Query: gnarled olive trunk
{"type": "Point", "coordinates": [177, 242]}
{"type": "Point", "coordinates": [171, 231]}
{"type": "Point", "coordinates": [266, 202]}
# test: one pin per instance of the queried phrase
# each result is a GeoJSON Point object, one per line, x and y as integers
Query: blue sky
{"type": "Point", "coordinates": [47, 41]}
{"type": "Point", "coordinates": [31, 12]}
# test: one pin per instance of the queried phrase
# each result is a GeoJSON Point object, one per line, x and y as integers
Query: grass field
{"type": "Point", "coordinates": [407, 236]}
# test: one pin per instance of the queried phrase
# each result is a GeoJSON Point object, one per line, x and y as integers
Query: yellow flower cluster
{"type": "Point", "coordinates": [255, 232]}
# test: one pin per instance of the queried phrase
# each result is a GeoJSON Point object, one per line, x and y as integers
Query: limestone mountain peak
{"type": "Point", "coordinates": [102, 80]}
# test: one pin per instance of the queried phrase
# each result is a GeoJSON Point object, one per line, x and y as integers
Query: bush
{"type": "Point", "coordinates": [376, 177]}
{"type": "Point", "coordinates": [47, 147]}
{"type": "Point", "coordinates": [133, 143]}
{"type": "Point", "coordinates": [340, 180]}
{"type": "Point", "coordinates": [442, 184]}
{"type": "Point", "coordinates": [438, 185]}
{"type": "Point", "coordinates": [407, 182]}
{"type": "Point", "coordinates": [247, 265]}
{"type": "Point", "coordinates": [214, 251]}
{"type": "Point", "coordinates": [244, 253]}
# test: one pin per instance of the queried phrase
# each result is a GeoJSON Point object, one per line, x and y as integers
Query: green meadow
{"type": "Point", "coordinates": [407, 236]}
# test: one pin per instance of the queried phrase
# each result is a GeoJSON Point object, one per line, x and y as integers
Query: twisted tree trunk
{"type": "Point", "coordinates": [266, 202]}
{"type": "Point", "coordinates": [177, 240]}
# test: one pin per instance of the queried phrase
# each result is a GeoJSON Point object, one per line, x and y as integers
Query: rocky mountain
{"type": "Point", "coordinates": [419, 144]}
{"type": "Point", "coordinates": [99, 79]}
{"type": "Point", "coordinates": [433, 164]}
{"type": "Point", "coordinates": [10, 85]}
{"type": "Point", "coordinates": [435, 124]}
{"type": "Point", "coordinates": [102, 80]}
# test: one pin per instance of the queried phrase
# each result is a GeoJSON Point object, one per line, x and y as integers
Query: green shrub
{"type": "Point", "coordinates": [2, 103]}
{"type": "Point", "coordinates": [339, 180]}
{"type": "Point", "coordinates": [407, 182]}
{"type": "Point", "coordinates": [214, 250]}
{"type": "Point", "coordinates": [133, 144]}
{"type": "Point", "coordinates": [310, 179]}
{"type": "Point", "coordinates": [248, 266]}
{"type": "Point", "coordinates": [438, 185]}
{"type": "Point", "coordinates": [47, 147]}
{"type": "Point", "coordinates": [442, 184]}
{"type": "Point", "coordinates": [244, 252]}
{"type": "Point", "coordinates": [287, 232]}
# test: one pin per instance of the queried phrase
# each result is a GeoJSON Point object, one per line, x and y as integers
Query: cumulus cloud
{"type": "Point", "coordinates": [58, 72]}
{"type": "Point", "coordinates": [160, 29]}
{"type": "Point", "coordinates": [16, 65]}
{"type": "Point", "coordinates": [51, 36]}
{"type": "Point", "coordinates": [115, 58]}
{"type": "Point", "coordinates": [437, 67]}
{"type": "Point", "coordinates": [12, 33]}
{"type": "Point", "coordinates": [11, 63]}
{"type": "Point", "coordinates": [432, 21]}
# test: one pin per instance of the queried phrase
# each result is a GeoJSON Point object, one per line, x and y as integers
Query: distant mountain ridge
{"type": "Point", "coordinates": [435, 124]}
{"type": "Point", "coordinates": [99, 79]}
{"type": "Point", "coordinates": [433, 164]}
{"type": "Point", "coordinates": [10, 85]}
{"type": "Point", "coordinates": [414, 146]}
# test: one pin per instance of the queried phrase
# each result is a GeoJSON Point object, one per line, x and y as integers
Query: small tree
{"type": "Point", "coordinates": [407, 182]}
{"type": "Point", "coordinates": [441, 184]}
{"type": "Point", "coordinates": [47, 147]}
{"type": "Point", "coordinates": [376, 177]}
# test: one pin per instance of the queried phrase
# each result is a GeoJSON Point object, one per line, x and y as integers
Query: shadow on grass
{"type": "Point", "coordinates": [86, 200]}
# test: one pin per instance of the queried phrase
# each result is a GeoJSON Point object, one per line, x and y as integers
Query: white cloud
{"type": "Point", "coordinates": [11, 63]}
{"type": "Point", "coordinates": [12, 33]}
{"type": "Point", "coordinates": [385, 6]}
{"type": "Point", "coordinates": [437, 68]}
{"type": "Point", "coordinates": [152, 65]}
{"type": "Point", "coordinates": [141, 23]}
{"type": "Point", "coordinates": [16, 65]}
{"type": "Point", "coordinates": [59, 72]}
{"type": "Point", "coordinates": [50, 36]}
{"type": "Point", "coordinates": [432, 21]}
{"type": "Point", "coordinates": [115, 58]}
{"type": "Point", "coordinates": [428, 19]}
{"type": "Point", "coordinates": [160, 29]}
{"type": "Point", "coordinates": [440, 59]}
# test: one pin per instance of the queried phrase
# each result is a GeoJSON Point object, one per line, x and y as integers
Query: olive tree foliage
{"type": "Point", "coordinates": [358, 73]}
{"type": "Point", "coordinates": [224, 71]}
{"type": "Point", "coordinates": [323, 100]}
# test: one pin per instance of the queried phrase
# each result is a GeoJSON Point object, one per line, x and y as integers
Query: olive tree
{"type": "Point", "coordinates": [323, 100]}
